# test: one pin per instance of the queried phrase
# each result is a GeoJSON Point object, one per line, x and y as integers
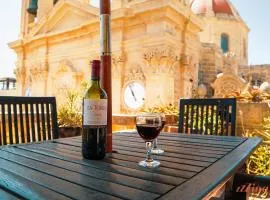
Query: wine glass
{"type": "Point", "coordinates": [155, 149]}
{"type": "Point", "coordinates": [148, 126]}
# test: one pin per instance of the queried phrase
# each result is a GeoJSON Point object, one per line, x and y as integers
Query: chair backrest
{"type": "Point", "coordinates": [27, 119]}
{"type": "Point", "coordinates": [207, 116]}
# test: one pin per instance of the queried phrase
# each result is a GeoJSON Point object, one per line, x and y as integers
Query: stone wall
{"type": "Point", "coordinates": [256, 73]}
{"type": "Point", "coordinates": [250, 116]}
{"type": "Point", "coordinates": [210, 61]}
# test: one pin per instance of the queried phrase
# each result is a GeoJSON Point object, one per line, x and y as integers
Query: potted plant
{"type": "Point", "coordinates": [69, 115]}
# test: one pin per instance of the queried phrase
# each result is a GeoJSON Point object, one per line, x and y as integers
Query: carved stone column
{"type": "Point", "coordinates": [159, 72]}
{"type": "Point", "coordinates": [118, 62]}
{"type": "Point", "coordinates": [39, 76]}
{"type": "Point", "coordinates": [20, 73]}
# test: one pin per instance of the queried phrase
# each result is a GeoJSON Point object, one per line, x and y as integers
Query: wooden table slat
{"type": "Point", "coordinates": [142, 146]}
{"type": "Point", "coordinates": [58, 185]}
{"type": "Point", "coordinates": [24, 188]}
{"type": "Point", "coordinates": [149, 186]}
{"type": "Point", "coordinates": [113, 168]}
{"type": "Point", "coordinates": [102, 186]}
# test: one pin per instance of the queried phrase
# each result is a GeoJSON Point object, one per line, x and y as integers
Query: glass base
{"type": "Point", "coordinates": [151, 164]}
{"type": "Point", "coordinates": [157, 151]}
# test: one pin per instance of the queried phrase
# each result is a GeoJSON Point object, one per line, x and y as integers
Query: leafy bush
{"type": "Point", "coordinates": [259, 161]}
{"type": "Point", "coordinates": [69, 113]}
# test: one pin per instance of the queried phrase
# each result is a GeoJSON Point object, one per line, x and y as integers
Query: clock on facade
{"type": "Point", "coordinates": [134, 95]}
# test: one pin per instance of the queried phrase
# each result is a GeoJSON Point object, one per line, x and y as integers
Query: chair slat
{"type": "Point", "coordinates": [212, 119]}
{"type": "Point", "coordinates": [21, 123]}
{"type": "Point", "coordinates": [217, 120]}
{"type": "Point", "coordinates": [10, 130]}
{"type": "Point", "coordinates": [27, 123]}
{"type": "Point", "coordinates": [227, 115]}
{"type": "Point", "coordinates": [32, 118]}
{"type": "Point", "coordinates": [43, 122]}
{"type": "Point", "coordinates": [15, 124]}
{"type": "Point", "coordinates": [181, 118]}
{"type": "Point", "coordinates": [4, 131]}
{"type": "Point", "coordinates": [222, 118]}
{"type": "Point", "coordinates": [197, 120]}
{"type": "Point", "coordinates": [38, 122]}
{"type": "Point", "coordinates": [54, 119]}
{"type": "Point", "coordinates": [206, 120]}
{"type": "Point", "coordinates": [48, 120]}
{"type": "Point", "coordinates": [233, 119]}
{"type": "Point", "coordinates": [191, 119]}
{"type": "Point", "coordinates": [187, 119]}
{"type": "Point", "coordinates": [202, 119]}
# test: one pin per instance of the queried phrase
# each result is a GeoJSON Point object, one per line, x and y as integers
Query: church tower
{"type": "Point", "coordinates": [223, 27]}
{"type": "Point", "coordinates": [33, 11]}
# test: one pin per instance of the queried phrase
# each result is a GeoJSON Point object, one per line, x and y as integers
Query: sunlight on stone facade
{"type": "Point", "coordinates": [167, 48]}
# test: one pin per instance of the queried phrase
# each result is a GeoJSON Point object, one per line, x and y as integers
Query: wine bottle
{"type": "Point", "coordinates": [94, 117]}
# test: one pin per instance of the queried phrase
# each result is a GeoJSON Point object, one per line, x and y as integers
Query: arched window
{"type": "Point", "coordinates": [55, 1]}
{"type": "Point", "coordinates": [224, 43]}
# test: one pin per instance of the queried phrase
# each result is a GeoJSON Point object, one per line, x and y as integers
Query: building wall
{"type": "Point", "coordinates": [238, 40]}
{"type": "Point", "coordinates": [257, 74]}
{"type": "Point", "coordinates": [153, 42]}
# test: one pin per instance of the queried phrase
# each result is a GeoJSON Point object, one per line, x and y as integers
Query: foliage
{"type": "Point", "coordinates": [250, 94]}
{"type": "Point", "coordinates": [259, 161]}
{"type": "Point", "coordinates": [205, 119]}
{"type": "Point", "coordinates": [69, 113]}
{"type": "Point", "coordinates": [169, 109]}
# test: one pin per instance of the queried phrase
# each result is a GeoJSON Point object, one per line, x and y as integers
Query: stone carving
{"type": "Point", "coordinates": [228, 84]}
{"type": "Point", "coordinates": [134, 73]}
{"type": "Point", "coordinates": [38, 71]}
{"type": "Point", "coordinates": [160, 60]}
{"type": "Point", "coordinates": [229, 63]}
{"type": "Point", "coordinates": [118, 61]}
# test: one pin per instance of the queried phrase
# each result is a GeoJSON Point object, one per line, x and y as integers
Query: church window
{"type": "Point", "coordinates": [224, 43]}
{"type": "Point", "coordinates": [55, 1]}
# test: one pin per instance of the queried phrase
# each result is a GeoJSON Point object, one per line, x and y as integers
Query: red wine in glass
{"type": "Point", "coordinates": [148, 127]}
{"type": "Point", "coordinates": [148, 132]}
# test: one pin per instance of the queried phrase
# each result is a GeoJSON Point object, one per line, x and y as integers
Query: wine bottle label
{"type": "Point", "coordinates": [95, 112]}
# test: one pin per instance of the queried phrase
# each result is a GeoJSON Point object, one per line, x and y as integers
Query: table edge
{"type": "Point", "coordinates": [239, 154]}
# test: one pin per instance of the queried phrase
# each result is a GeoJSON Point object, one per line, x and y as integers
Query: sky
{"type": "Point", "coordinates": [254, 12]}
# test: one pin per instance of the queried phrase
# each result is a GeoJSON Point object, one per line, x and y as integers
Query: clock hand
{"type": "Point", "coordinates": [132, 92]}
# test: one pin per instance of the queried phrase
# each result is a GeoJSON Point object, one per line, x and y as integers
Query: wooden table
{"type": "Point", "coordinates": [191, 167]}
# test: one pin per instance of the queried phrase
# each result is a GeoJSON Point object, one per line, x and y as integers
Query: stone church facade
{"type": "Point", "coordinates": [161, 49]}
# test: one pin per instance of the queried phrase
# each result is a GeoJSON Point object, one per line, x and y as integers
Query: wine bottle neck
{"type": "Point", "coordinates": [95, 82]}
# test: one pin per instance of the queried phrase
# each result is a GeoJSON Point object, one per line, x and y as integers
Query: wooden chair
{"type": "Point", "coordinates": [27, 119]}
{"type": "Point", "coordinates": [207, 116]}
{"type": "Point", "coordinates": [245, 184]}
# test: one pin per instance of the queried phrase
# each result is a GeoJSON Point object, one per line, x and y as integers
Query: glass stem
{"type": "Point", "coordinates": [155, 144]}
{"type": "Point", "coordinates": [149, 152]}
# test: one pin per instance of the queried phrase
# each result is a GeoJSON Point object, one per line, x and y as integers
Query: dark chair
{"type": "Point", "coordinates": [27, 119]}
{"type": "Point", "coordinates": [243, 184]}
{"type": "Point", "coordinates": [207, 116]}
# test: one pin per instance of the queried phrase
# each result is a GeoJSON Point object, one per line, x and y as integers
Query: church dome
{"type": "Point", "coordinates": [211, 6]}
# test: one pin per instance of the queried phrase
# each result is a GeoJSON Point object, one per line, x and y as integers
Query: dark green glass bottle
{"type": "Point", "coordinates": [94, 117]}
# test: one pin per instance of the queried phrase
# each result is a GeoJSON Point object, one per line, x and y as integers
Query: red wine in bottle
{"type": "Point", "coordinates": [94, 117]}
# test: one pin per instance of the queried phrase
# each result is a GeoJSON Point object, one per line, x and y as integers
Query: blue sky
{"type": "Point", "coordinates": [255, 13]}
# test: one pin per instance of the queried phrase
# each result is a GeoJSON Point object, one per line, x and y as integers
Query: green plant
{"type": "Point", "coordinates": [69, 113]}
{"type": "Point", "coordinates": [259, 161]}
{"type": "Point", "coordinates": [169, 109]}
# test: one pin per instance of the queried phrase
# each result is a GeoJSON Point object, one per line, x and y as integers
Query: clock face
{"type": "Point", "coordinates": [134, 95]}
